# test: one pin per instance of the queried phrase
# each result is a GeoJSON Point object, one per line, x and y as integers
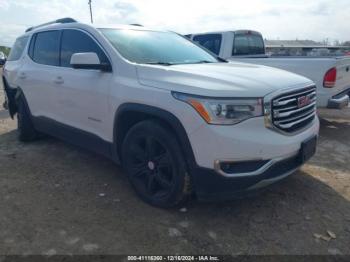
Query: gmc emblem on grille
{"type": "Point", "coordinates": [303, 101]}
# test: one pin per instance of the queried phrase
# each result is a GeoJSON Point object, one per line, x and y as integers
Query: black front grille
{"type": "Point", "coordinates": [295, 110]}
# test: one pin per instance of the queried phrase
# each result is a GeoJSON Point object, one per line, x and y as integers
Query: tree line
{"type": "Point", "coordinates": [5, 50]}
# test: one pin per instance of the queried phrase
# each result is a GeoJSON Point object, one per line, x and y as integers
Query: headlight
{"type": "Point", "coordinates": [220, 111]}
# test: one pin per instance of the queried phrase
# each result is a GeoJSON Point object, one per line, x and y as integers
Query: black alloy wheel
{"type": "Point", "coordinates": [154, 163]}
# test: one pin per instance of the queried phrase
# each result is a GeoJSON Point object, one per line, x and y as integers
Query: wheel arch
{"type": "Point", "coordinates": [12, 96]}
{"type": "Point", "coordinates": [129, 114]}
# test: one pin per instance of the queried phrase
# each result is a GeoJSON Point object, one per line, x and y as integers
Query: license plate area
{"type": "Point", "coordinates": [308, 149]}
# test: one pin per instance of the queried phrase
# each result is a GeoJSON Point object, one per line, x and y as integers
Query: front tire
{"type": "Point", "coordinates": [25, 127]}
{"type": "Point", "coordinates": [155, 165]}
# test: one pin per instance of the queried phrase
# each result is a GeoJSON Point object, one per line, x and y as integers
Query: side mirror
{"type": "Point", "coordinates": [88, 61]}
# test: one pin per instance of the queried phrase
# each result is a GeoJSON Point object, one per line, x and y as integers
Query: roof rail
{"type": "Point", "coordinates": [136, 25]}
{"type": "Point", "coordinates": [58, 21]}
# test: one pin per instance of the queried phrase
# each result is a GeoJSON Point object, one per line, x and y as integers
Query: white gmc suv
{"type": "Point", "coordinates": [177, 118]}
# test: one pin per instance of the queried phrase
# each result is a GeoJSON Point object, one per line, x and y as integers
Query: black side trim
{"type": "Point", "coordinates": [159, 113]}
{"type": "Point", "coordinates": [73, 135]}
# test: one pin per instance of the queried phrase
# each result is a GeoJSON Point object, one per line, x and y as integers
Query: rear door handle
{"type": "Point", "coordinates": [59, 80]}
{"type": "Point", "coordinates": [22, 76]}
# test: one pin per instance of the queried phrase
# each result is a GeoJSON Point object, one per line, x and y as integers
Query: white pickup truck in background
{"type": "Point", "coordinates": [331, 74]}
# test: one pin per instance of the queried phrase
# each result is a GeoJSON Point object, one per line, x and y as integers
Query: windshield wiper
{"type": "Point", "coordinates": [220, 60]}
{"type": "Point", "coordinates": [159, 63]}
{"type": "Point", "coordinates": [201, 62]}
{"type": "Point", "coordinates": [170, 63]}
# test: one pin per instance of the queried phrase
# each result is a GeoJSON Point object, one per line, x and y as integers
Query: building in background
{"type": "Point", "coordinates": [303, 48]}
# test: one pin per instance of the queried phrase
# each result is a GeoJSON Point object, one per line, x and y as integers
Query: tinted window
{"type": "Point", "coordinates": [44, 48]}
{"type": "Point", "coordinates": [17, 49]}
{"type": "Point", "coordinates": [211, 42]}
{"type": "Point", "coordinates": [74, 41]}
{"type": "Point", "coordinates": [248, 44]}
{"type": "Point", "coordinates": [141, 46]}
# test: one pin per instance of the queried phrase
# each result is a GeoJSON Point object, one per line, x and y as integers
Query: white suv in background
{"type": "Point", "coordinates": [178, 119]}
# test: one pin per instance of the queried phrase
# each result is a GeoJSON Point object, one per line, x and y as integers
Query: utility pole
{"type": "Point", "coordinates": [92, 21]}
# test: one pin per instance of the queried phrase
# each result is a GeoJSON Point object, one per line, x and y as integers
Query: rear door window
{"type": "Point", "coordinates": [75, 41]}
{"type": "Point", "coordinates": [17, 49]}
{"type": "Point", "coordinates": [248, 44]}
{"type": "Point", "coordinates": [211, 42]}
{"type": "Point", "coordinates": [44, 48]}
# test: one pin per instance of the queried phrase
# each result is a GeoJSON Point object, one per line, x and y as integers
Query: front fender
{"type": "Point", "coordinates": [162, 115]}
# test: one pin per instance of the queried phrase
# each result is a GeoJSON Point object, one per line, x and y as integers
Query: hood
{"type": "Point", "coordinates": [219, 79]}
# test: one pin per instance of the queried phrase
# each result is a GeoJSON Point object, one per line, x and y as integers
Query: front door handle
{"type": "Point", "coordinates": [59, 80]}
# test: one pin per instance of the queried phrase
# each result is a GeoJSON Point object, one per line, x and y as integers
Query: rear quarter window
{"type": "Point", "coordinates": [18, 48]}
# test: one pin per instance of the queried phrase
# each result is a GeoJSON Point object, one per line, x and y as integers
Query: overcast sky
{"type": "Point", "coordinates": [276, 19]}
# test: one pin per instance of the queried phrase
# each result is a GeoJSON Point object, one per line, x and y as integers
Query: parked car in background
{"type": "Point", "coordinates": [2, 58]}
{"type": "Point", "coordinates": [179, 122]}
{"type": "Point", "coordinates": [331, 74]}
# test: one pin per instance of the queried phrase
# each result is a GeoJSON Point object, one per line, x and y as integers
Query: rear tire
{"type": "Point", "coordinates": [25, 127]}
{"type": "Point", "coordinates": [155, 165]}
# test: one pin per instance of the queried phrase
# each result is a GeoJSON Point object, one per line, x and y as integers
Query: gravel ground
{"type": "Point", "coordinates": [59, 199]}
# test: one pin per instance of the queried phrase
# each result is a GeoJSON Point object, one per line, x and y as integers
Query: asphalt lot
{"type": "Point", "coordinates": [59, 199]}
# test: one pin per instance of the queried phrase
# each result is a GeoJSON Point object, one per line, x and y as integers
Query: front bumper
{"type": "Point", "coordinates": [263, 156]}
{"type": "Point", "coordinates": [339, 101]}
{"type": "Point", "coordinates": [210, 185]}
{"type": "Point", "coordinates": [246, 141]}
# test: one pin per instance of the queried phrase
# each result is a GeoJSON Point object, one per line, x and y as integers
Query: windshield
{"type": "Point", "coordinates": [248, 44]}
{"type": "Point", "coordinates": [155, 47]}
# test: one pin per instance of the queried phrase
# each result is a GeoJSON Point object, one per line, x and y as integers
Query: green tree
{"type": "Point", "coordinates": [5, 50]}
